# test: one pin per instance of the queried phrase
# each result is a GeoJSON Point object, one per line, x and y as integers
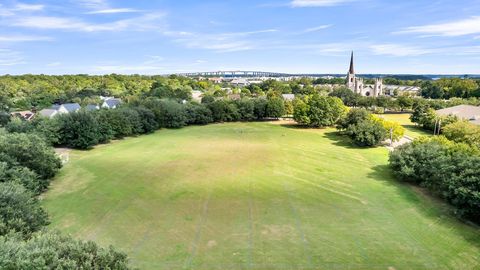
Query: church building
{"type": "Point", "coordinates": [356, 84]}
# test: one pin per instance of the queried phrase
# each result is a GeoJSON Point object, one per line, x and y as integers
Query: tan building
{"type": "Point", "coordinates": [465, 112]}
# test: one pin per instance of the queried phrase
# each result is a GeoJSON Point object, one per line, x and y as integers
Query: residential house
{"type": "Point", "coordinates": [111, 103]}
{"type": "Point", "coordinates": [465, 112]}
{"type": "Point", "coordinates": [25, 115]}
{"type": "Point", "coordinates": [60, 109]}
{"type": "Point", "coordinates": [216, 80]}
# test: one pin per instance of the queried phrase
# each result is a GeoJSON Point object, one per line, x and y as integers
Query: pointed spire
{"type": "Point", "coordinates": [351, 71]}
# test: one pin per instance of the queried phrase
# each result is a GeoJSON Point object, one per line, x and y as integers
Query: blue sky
{"type": "Point", "coordinates": [297, 36]}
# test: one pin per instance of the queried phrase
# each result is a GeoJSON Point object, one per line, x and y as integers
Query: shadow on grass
{"type": "Point", "coordinates": [294, 125]}
{"type": "Point", "coordinates": [339, 139]}
{"type": "Point", "coordinates": [427, 204]}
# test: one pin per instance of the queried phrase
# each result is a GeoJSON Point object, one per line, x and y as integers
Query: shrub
{"type": "Point", "coordinates": [18, 125]}
{"type": "Point", "coordinates": [319, 111]}
{"type": "Point", "coordinates": [51, 250]}
{"type": "Point", "coordinates": [31, 151]}
{"type": "Point", "coordinates": [19, 211]}
{"type": "Point", "coordinates": [20, 175]}
{"type": "Point", "coordinates": [260, 108]}
{"type": "Point", "coordinates": [463, 132]}
{"type": "Point", "coordinates": [354, 116]}
{"type": "Point", "coordinates": [275, 107]}
{"type": "Point", "coordinates": [367, 133]}
{"type": "Point", "coordinates": [78, 130]}
{"type": "Point", "coordinates": [246, 109]}
{"type": "Point", "coordinates": [168, 113]}
{"type": "Point", "coordinates": [446, 168]}
{"type": "Point", "coordinates": [105, 121]}
{"type": "Point", "coordinates": [198, 114]}
{"type": "Point", "coordinates": [146, 119]}
{"type": "Point", "coordinates": [392, 128]}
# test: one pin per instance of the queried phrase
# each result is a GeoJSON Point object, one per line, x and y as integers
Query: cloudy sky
{"type": "Point", "coordinates": [297, 36]}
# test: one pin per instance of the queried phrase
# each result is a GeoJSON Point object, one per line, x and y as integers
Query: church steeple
{"type": "Point", "coordinates": [351, 80]}
{"type": "Point", "coordinates": [351, 71]}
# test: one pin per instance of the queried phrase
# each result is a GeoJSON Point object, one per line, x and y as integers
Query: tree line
{"type": "Point", "coordinates": [364, 128]}
{"type": "Point", "coordinates": [446, 168]}
{"type": "Point", "coordinates": [85, 129]}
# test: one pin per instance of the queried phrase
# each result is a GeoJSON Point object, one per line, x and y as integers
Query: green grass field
{"type": "Point", "coordinates": [255, 196]}
{"type": "Point", "coordinates": [404, 119]}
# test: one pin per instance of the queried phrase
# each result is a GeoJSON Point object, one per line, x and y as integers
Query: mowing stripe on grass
{"type": "Point", "coordinates": [198, 233]}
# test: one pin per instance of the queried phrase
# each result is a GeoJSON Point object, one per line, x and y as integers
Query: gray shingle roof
{"type": "Point", "coordinates": [48, 112]}
{"type": "Point", "coordinates": [113, 102]}
{"type": "Point", "coordinates": [467, 112]}
{"type": "Point", "coordinates": [72, 107]}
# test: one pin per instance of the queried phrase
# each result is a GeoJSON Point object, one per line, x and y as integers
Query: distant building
{"type": "Point", "coordinates": [401, 89]}
{"type": "Point", "coordinates": [241, 82]}
{"type": "Point", "coordinates": [111, 103]}
{"type": "Point", "coordinates": [465, 112]}
{"type": "Point", "coordinates": [216, 80]}
{"type": "Point", "coordinates": [49, 113]}
{"type": "Point", "coordinates": [25, 115]}
{"type": "Point", "coordinates": [60, 109]}
{"type": "Point", "coordinates": [356, 84]}
{"type": "Point", "coordinates": [288, 97]}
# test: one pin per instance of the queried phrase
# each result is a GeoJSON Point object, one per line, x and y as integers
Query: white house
{"type": "Point", "coordinates": [111, 103]}
{"type": "Point", "coordinates": [60, 109]}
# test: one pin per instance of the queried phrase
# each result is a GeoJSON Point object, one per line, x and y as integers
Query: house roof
{"type": "Point", "coordinates": [113, 102]}
{"type": "Point", "coordinates": [48, 112]}
{"type": "Point", "coordinates": [240, 81]}
{"type": "Point", "coordinates": [72, 107]}
{"type": "Point", "coordinates": [27, 115]}
{"type": "Point", "coordinates": [467, 112]}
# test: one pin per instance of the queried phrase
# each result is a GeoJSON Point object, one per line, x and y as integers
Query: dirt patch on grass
{"type": "Point", "coordinates": [211, 244]}
{"type": "Point", "coordinates": [277, 232]}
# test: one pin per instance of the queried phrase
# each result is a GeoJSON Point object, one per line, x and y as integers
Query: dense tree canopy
{"type": "Point", "coordinates": [445, 168]}
{"type": "Point", "coordinates": [19, 211]}
{"type": "Point", "coordinates": [319, 111]}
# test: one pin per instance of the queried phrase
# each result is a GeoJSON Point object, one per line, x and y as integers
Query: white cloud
{"type": "Point", "coordinates": [114, 11]}
{"type": "Point", "coordinates": [318, 3]}
{"type": "Point", "coordinates": [28, 7]}
{"type": "Point", "coordinates": [221, 42]}
{"type": "Point", "coordinates": [23, 38]}
{"type": "Point", "coordinates": [93, 4]}
{"type": "Point", "coordinates": [10, 58]}
{"type": "Point", "coordinates": [398, 50]}
{"type": "Point", "coordinates": [318, 28]}
{"type": "Point", "coordinates": [148, 21]}
{"type": "Point", "coordinates": [456, 28]}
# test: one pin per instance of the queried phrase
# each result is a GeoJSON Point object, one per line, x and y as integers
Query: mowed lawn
{"type": "Point", "coordinates": [255, 196]}
{"type": "Point", "coordinates": [403, 119]}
